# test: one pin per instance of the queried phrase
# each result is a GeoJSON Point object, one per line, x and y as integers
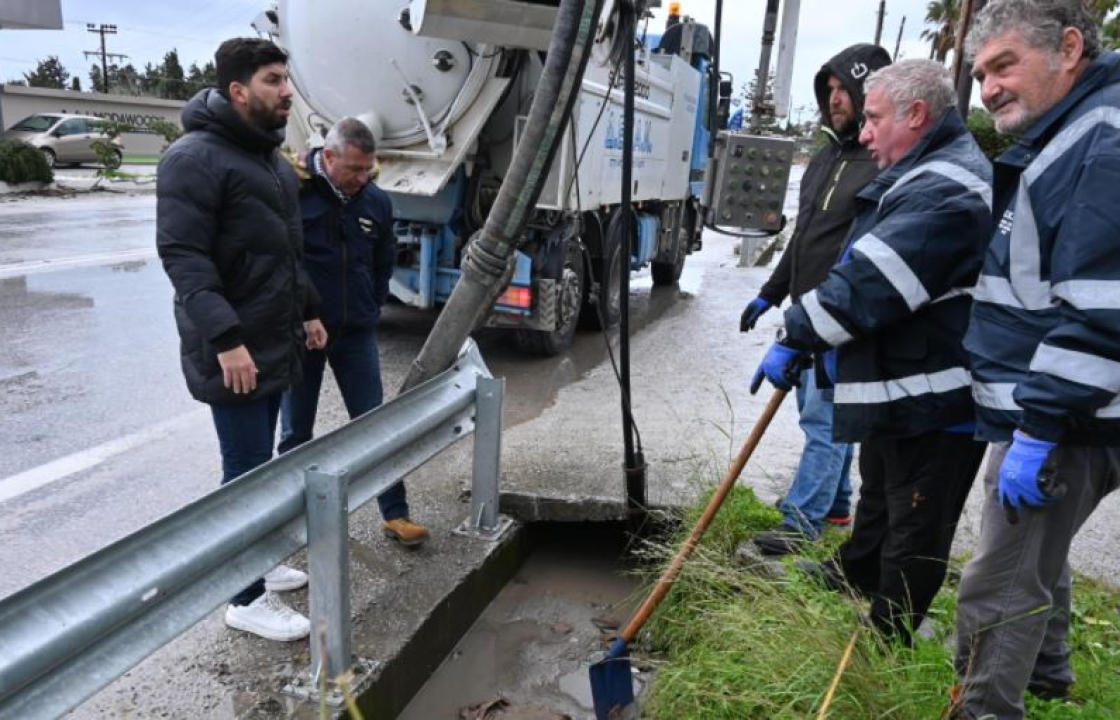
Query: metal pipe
{"type": "Point", "coordinates": [762, 78]}
{"type": "Point", "coordinates": [787, 50]}
{"type": "Point", "coordinates": [713, 84]}
{"type": "Point", "coordinates": [45, 625]}
{"type": "Point", "coordinates": [634, 471]}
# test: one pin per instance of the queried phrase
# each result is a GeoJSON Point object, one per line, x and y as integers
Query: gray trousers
{"type": "Point", "coordinates": [1014, 601]}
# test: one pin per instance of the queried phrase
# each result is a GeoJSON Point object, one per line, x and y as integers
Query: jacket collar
{"type": "Point", "coordinates": [321, 179]}
{"type": "Point", "coordinates": [943, 132]}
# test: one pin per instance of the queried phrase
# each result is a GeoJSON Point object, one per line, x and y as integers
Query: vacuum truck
{"type": "Point", "coordinates": [446, 86]}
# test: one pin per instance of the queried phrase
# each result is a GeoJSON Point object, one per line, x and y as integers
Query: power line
{"type": "Point", "coordinates": [103, 29]}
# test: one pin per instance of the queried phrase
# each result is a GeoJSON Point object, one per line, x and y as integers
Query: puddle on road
{"type": "Point", "coordinates": [532, 383]}
{"type": "Point", "coordinates": [531, 645]}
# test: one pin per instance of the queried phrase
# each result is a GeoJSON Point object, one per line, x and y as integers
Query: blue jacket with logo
{"type": "Point", "coordinates": [896, 306]}
{"type": "Point", "coordinates": [1045, 331]}
{"type": "Point", "coordinates": [349, 249]}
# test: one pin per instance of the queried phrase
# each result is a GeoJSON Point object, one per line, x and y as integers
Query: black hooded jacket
{"type": "Point", "coordinates": [836, 173]}
{"type": "Point", "coordinates": [229, 234]}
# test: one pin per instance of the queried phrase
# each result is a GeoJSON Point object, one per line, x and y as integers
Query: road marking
{"type": "Point", "coordinates": [28, 480]}
{"type": "Point", "coordinates": [33, 267]}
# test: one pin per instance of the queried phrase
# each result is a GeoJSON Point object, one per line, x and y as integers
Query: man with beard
{"type": "Point", "coordinates": [820, 492]}
{"type": "Point", "coordinates": [886, 325]}
{"type": "Point", "coordinates": [228, 232]}
{"type": "Point", "coordinates": [1045, 344]}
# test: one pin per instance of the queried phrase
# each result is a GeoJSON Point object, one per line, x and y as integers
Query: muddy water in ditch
{"type": "Point", "coordinates": [531, 645]}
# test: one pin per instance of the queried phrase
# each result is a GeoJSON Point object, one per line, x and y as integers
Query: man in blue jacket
{"type": "Point", "coordinates": [887, 324]}
{"type": "Point", "coordinates": [349, 251]}
{"type": "Point", "coordinates": [1045, 344]}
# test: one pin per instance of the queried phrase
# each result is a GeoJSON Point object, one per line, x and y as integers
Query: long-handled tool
{"type": "Point", "coordinates": [611, 685]}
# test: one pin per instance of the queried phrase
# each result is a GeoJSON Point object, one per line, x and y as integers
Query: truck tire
{"type": "Point", "coordinates": [668, 273]}
{"type": "Point", "coordinates": [573, 288]}
{"type": "Point", "coordinates": [605, 311]}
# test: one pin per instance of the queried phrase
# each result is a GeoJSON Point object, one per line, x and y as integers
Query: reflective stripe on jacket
{"type": "Point", "coordinates": [1045, 331]}
{"type": "Point", "coordinates": [896, 305]}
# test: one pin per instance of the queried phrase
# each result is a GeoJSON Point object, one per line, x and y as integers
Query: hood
{"type": "Point", "coordinates": [209, 110]}
{"type": "Point", "coordinates": [852, 65]}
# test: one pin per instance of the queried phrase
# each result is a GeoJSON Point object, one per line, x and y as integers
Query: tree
{"type": "Point", "coordinates": [76, 83]}
{"type": "Point", "coordinates": [172, 83]}
{"type": "Point", "coordinates": [765, 121]}
{"type": "Point", "coordinates": [126, 80]}
{"type": "Point", "coordinates": [48, 73]}
{"type": "Point", "coordinates": [943, 15]}
{"type": "Point", "coordinates": [197, 78]}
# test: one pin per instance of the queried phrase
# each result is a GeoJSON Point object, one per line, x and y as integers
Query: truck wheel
{"type": "Point", "coordinates": [607, 309]}
{"type": "Point", "coordinates": [573, 282]}
{"type": "Point", "coordinates": [668, 273]}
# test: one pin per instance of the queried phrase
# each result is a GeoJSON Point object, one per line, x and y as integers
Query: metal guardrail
{"type": "Point", "coordinates": [72, 633]}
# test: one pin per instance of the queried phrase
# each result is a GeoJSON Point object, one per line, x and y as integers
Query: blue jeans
{"type": "Point", "coordinates": [245, 435]}
{"type": "Point", "coordinates": [821, 486]}
{"type": "Point", "coordinates": [352, 354]}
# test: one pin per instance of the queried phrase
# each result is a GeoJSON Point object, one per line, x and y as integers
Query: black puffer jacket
{"type": "Point", "coordinates": [229, 234]}
{"type": "Point", "coordinates": [836, 173]}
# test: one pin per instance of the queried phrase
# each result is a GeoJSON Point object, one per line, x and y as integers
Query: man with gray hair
{"type": "Point", "coordinates": [886, 326]}
{"type": "Point", "coordinates": [1044, 342]}
{"type": "Point", "coordinates": [349, 251]}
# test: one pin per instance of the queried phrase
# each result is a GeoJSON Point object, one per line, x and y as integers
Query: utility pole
{"type": "Point", "coordinates": [898, 42]}
{"type": "Point", "coordinates": [879, 21]}
{"type": "Point", "coordinates": [103, 29]}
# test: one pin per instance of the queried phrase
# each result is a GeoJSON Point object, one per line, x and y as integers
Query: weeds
{"type": "Point", "coordinates": [730, 643]}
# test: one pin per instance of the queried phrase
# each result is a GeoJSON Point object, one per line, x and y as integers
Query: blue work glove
{"type": "Point", "coordinates": [782, 366]}
{"type": "Point", "coordinates": [752, 313]}
{"type": "Point", "coordinates": [1025, 478]}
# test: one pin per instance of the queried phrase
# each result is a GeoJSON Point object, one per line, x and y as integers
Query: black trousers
{"type": "Point", "coordinates": [911, 498]}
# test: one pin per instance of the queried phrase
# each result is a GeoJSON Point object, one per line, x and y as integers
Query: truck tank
{"type": "Point", "coordinates": [445, 85]}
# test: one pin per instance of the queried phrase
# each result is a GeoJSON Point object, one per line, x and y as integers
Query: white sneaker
{"type": "Point", "coordinates": [283, 578]}
{"type": "Point", "coordinates": [268, 617]}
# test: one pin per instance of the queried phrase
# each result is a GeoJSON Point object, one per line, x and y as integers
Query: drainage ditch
{"type": "Point", "coordinates": [556, 592]}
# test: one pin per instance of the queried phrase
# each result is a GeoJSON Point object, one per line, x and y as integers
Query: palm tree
{"type": "Point", "coordinates": [943, 15]}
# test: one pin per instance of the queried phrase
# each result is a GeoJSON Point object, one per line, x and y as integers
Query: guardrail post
{"type": "Point", "coordinates": [484, 520]}
{"type": "Point", "coordinates": [328, 556]}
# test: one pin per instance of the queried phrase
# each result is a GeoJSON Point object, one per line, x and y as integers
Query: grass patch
{"type": "Point", "coordinates": [141, 159]}
{"type": "Point", "coordinates": [730, 643]}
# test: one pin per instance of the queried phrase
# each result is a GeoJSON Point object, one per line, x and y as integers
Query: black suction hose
{"type": "Point", "coordinates": [488, 259]}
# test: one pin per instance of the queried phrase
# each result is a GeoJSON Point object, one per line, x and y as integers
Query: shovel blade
{"type": "Point", "coordinates": [612, 687]}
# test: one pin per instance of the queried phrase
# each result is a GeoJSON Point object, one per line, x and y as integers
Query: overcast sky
{"type": "Point", "coordinates": [195, 27]}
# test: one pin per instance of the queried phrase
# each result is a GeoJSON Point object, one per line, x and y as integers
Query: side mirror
{"type": "Point", "coordinates": [57, 132]}
{"type": "Point", "coordinates": [725, 88]}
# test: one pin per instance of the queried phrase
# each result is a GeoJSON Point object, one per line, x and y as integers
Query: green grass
{"type": "Point", "coordinates": [731, 643]}
{"type": "Point", "coordinates": [141, 159]}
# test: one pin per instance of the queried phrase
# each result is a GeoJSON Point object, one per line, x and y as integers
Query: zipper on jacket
{"type": "Point", "coordinates": [835, 183]}
{"type": "Point", "coordinates": [341, 230]}
{"type": "Point", "coordinates": [297, 312]}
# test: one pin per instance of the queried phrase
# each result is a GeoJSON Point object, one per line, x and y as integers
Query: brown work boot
{"type": "Point", "coordinates": [405, 532]}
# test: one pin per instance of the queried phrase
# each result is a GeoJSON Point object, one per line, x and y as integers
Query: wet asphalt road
{"type": "Point", "coordinates": [98, 435]}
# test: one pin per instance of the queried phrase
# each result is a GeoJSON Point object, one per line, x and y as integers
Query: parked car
{"type": "Point", "coordinates": [65, 139]}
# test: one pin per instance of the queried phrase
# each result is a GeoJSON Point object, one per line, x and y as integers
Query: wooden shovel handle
{"type": "Point", "coordinates": [665, 583]}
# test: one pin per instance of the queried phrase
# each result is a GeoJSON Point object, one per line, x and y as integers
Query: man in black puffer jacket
{"type": "Point", "coordinates": [229, 235]}
{"type": "Point", "coordinates": [820, 492]}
